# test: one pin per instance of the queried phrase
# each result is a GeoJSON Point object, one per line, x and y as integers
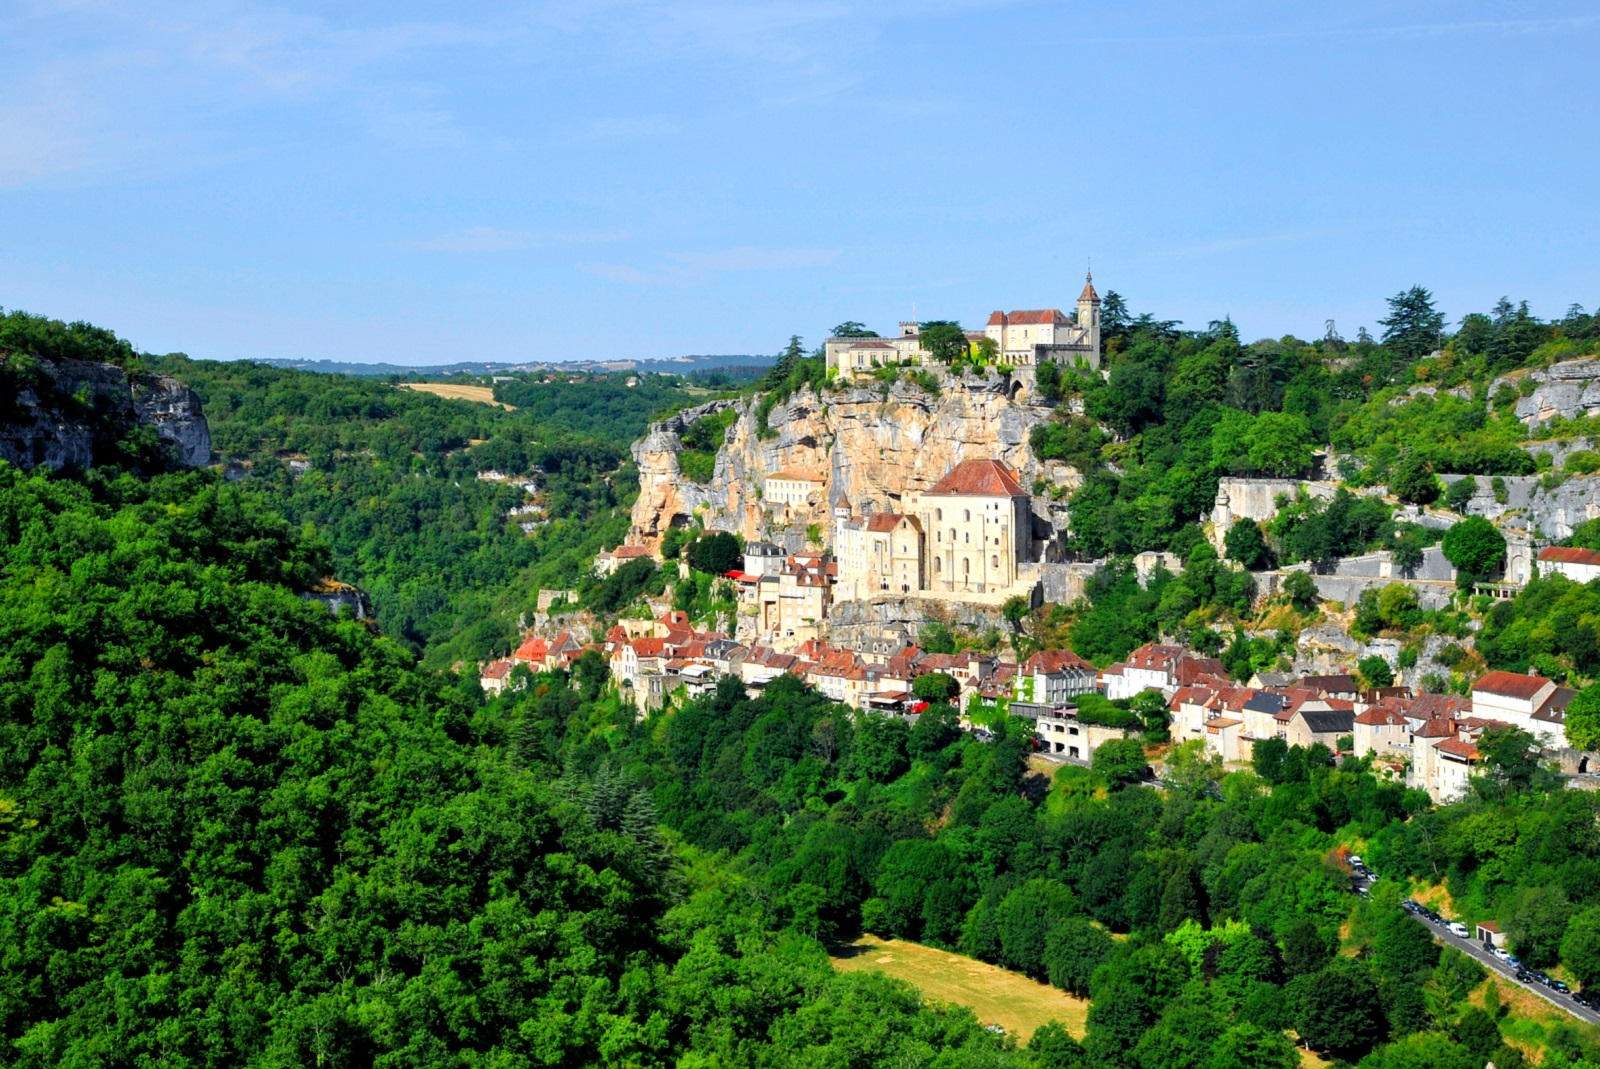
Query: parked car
{"type": "Point", "coordinates": [1557, 985]}
{"type": "Point", "coordinates": [1524, 976]}
{"type": "Point", "coordinates": [1355, 861]}
{"type": "Point", "coordinates": [1456, 928]}
{"type": "Point", "coordinates": [1503, 955]}
{"type": "Point", "coordinates": [1513, 961]}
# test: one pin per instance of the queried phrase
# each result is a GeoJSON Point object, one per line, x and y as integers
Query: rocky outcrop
{"type": "Point", "coordinates": [872, 447]}
{"type": "Point", "coordinates": [174, 411]}
{"type": "Point", "coordinates": [72, 413]}
{"type": "Point", "coordinates": [1569, 389]}
{"type": "Point", "coordinates": [1534, 506]}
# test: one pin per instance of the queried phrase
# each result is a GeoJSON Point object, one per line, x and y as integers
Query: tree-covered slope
{"type": "Point", "coordinates": [237, 831]}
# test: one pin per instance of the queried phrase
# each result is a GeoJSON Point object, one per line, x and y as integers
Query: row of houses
{"type": "Point", "coordinates": [537, 655]}
{"type": "Point", "coordinates": [1429, 739]}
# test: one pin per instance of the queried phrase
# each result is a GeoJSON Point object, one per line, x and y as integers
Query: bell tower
{"type": "Point", "coordinates": [1089, 317]}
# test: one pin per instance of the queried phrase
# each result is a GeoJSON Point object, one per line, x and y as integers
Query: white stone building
{"type": "Point", "coordinates": [1532, 703]}
{"type": "Point", "coordinates": [864, 354]}
{"type": "Point", "coordinates": [1579, 565]}
{"type": "Point", "coordinates": [969, 534]}
{"type": "Point", "coordinates": [1029, 337]}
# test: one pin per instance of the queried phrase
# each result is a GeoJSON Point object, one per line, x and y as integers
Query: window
{"type": "Point", "coordinates": [938, 514]}
{"type": "Point", "coordinates": [966, 566]}
{"type": "Point", "coordinates": [936, 563]}
{"type": "Point", "coordinates": [966, 515]}
{"type": "Point", "coordinates": [994, 560]}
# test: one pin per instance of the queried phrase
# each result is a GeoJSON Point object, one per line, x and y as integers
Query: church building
{"type": "Point", "coordinates": [967, 534]}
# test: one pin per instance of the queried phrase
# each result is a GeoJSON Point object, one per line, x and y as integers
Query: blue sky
{"type": "Point", "coordinates": [434, 182]}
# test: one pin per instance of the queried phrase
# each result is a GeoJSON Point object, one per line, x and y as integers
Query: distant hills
{"type": "Point", "coordinates": [679, 365]}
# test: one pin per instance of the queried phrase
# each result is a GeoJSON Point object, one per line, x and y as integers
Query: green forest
{"type": "Point", "coordinates": [1186, 408]}
{"type": "Point", "coordinates": [388, 481]}
{"type": "Point", "coordinates": [238, 830]}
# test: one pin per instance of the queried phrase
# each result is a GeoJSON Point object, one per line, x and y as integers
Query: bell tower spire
{"type": "Point", "coordinates": [1089, 316]}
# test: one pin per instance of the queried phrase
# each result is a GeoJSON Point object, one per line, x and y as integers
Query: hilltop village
{"type": "Point", "coordinates": [905, 494]}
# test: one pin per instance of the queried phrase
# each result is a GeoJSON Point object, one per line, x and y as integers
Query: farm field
{"type": "Point", "coordinates": [482, 394]}
{"type": "Point", "coordinates": [1008, 999]}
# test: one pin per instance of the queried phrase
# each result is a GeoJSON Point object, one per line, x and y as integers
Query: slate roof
{"type": "Point", "coordinates": [1329, 721]}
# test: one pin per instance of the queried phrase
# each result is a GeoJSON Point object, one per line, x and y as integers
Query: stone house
{"type": "Point", "coordinates": [1579, 565]}
{"type": "Point", "coordinates": [793, 490]}
{"type": "Point", "coordinates": [1153, 666]}
{"type": "Point", "coordinates": [1532, 703]}
{"type": "Point", "coordinates": [495, 676]}
{"type": "Point", "coordinates": [1323, 721]}
{"type": "Point", "coordinates": [850, 355]}
{"type": "Point", "coordinates": [1381, 729]}
{"type": "Point", "coordinates": [1055, 676]}
{"type": "Point", "coordinates": [609, 560]}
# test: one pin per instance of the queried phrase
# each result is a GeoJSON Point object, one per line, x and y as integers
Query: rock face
{"type": "Point", "coordinates": [1570, 389]}
{"type": "Point", "coordinates": [174, 410]}
{"type": "Point", "coordinates": [872, 449]}
{"type": "Point", "coordinates": [75, 411]}
{"type": "Point", "coordinates": [1534, 507]}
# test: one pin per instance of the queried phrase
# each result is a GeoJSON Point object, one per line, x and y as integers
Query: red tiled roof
{"type": "Point", "coordinates": [1026, 317]}
{"type": "Point", "coordinates": [532, 649]}
{"type": "Point", "coordinates": [1438, 728]}
{"type": "Point", "coordinates": [1155, 657]}
{"type": "Point", "coordinates": [1380, 717]}
{"type": "Point", "coordinates": [799, 474]}
{"type": "Point", "coordinates": [1088, 293]}
{"type": "Point", "coordinates": [985, 478]}
{"type": "Point", "coordinates": [1051, 662]}
{"type": "Point", "coordinates": [883, 521]}
{"type": "Point", "coordinates": [1196, 669]}
{"type": "Point", "coordinates": [1459, 749]}
{"type": "Point", "coordinates": [1511, 684]}
{"type": "Point", "coordinates": [630, 552]}
{"type": "Point", "coordinates": [496, 670]}
{"type": "Point", "coordinates": [1570, 555]}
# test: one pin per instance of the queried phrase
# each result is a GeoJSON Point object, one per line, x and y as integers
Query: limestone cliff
{"type": "Point", "coordinates": [71, 413]}
{"type": "Point", "coordinates": [871, 447]}
{"type": "Point", "coordinates": [1569, 389]}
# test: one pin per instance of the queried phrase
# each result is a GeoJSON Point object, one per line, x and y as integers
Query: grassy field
{"type": "Point", "coordinates": [1008, 999]}
{"type": "Point", "coordinates": [483, 394]}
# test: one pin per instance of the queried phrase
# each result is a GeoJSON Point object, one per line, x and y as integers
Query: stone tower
{"type": "Point", "coordinates": [1089, 314]}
